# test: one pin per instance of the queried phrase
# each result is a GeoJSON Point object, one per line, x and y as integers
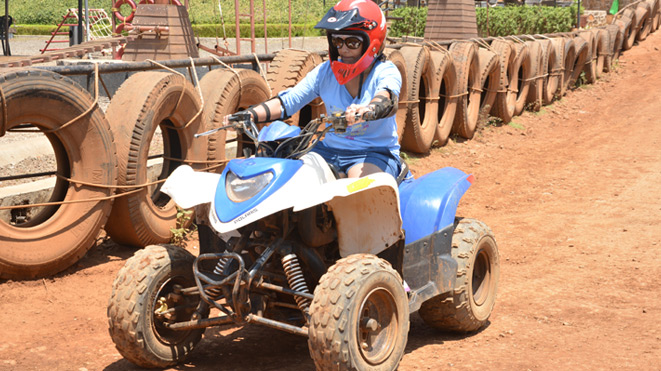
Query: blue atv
{"type": "Point", "coordinates": [286, 242]}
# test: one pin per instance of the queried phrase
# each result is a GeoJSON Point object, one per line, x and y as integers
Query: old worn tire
{"type": "Point", "coordinates": [226, 92]}
{"type": "Point", "coordinates": [644, 21]}
{"type": "Point", "coordinates": [288, 68]}
{"type": "Point", "coordinates": [581, 51]}
{"type": "Point", "coordinates": [569, 59]}
{"type": "Point", "coordinates": [396, 57]}
{"type": "Point", "coordinates": [58, 236]}
{"type": "Point", "coordinates": [467, 307]}
{"type": "Point", "coordinates": [536, 90]}
{"type": "Point", "coordinates": [147, 276]}
{"type": "Point", "coordinates": [505, 102]}
{"type": "Point", "coordinates": [600, 50]}
{"type": "Point", "coordinates": [521, 76]}
{"type": "Point", "coordinates": [145, 102]}
{"type": "Point", "coordinates": [552, 71]}
{"type": "Point", "coordinates": [441, 62]}
{"type": "Point", "coordinates": [357, 290]}
{"type": "Point", "coordinates": [631, 32]}
{"type": "Point", "coordinates": [590, 66]}
{"type": "Point", "coordinates": [615, 36]}
{"type": "Point", "coordinates": [422, 111]}
{"type": "Point", "coordinates": [489, 78]}
{"type": "Point", "coordinates": [467, 65]}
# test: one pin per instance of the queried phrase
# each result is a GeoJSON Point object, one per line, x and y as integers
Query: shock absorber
{"type": "Point", "coordinates": [216, 292]}
{"type": "Point", "coordinates": [296, 280]}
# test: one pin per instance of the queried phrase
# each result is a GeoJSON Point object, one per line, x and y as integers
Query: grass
{"type": "Point", "coordinates": [516, 125]}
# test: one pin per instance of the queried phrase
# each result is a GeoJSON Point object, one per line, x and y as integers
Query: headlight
{"type": "Point", "coordinates": [239, 190]}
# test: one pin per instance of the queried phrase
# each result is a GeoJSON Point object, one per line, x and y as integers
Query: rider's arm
{"type": "Point", "coordinates": [266, 112]}
{"type": "Point", "coordinates": [384, 104]}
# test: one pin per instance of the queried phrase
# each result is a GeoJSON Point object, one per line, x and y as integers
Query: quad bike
{"type": "Point", "coordinates": [286, 242]}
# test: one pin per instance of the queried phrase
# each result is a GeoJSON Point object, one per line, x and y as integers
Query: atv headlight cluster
{"type": "Point", "coordinates": [239, 190]}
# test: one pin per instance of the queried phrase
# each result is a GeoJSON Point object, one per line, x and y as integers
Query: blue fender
{"type": "Point", "coordinates": [429, 204]}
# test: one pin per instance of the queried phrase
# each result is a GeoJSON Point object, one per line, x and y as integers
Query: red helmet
{"type": "Point", "coordinates": [355, 17]}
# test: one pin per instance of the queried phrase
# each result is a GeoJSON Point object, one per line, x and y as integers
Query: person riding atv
{"type": "Point", "coordinates": [356, 79]}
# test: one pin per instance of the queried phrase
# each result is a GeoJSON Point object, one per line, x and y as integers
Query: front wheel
{"type": "Point", "coordinates": [359, 319]}
{"type": "Point", "coordinates": [145, 296]}
{"type": "Point", "coordinates": [469, 305]}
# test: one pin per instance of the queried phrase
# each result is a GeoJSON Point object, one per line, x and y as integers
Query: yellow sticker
{"type": "Point", "coordinates": [359, 184]}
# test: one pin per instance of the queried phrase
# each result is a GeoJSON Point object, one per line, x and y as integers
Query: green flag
{"type": "Point", "coordinates": [615, 7]}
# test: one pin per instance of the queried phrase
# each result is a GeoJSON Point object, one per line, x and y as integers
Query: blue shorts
{"type": "Point", "coordinates": [344, 159]}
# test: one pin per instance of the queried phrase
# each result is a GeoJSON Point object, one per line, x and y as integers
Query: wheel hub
{"type": "Point", "coordinates": [377, 326]}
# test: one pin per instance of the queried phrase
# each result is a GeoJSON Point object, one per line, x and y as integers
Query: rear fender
{"type": "Point", "coordinates": [366, 212]}
{"type": "Point", "coordinates": [429, 204]}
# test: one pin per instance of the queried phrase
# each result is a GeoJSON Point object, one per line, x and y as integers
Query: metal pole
{"type": "Point", "coordinates": [578, 15]}
{"type": "Point", "coordinates": [5, 48]}
{"type": "Point", "coordinates": [87, 21]}
{"type": "Point", "coordinates": [80, 20]}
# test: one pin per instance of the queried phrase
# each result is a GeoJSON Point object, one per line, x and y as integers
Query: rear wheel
{"type": "Point", "coordinates": [143, 292]}
{"type": "Point", "coordinates": [469, 305]}
{"type": "Point", "coordinates": [359, 319]}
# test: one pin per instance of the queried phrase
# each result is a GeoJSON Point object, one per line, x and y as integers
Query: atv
{"type": "Point", "coordinates": [289, 243]}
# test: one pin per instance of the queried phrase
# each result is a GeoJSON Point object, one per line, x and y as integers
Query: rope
{"type": "Point", "coordinates": [454, 96]}
{"type": "Point", "coordinates": [197, 84]}
{"type": "Point", "coordinates": [261, 71]}
{"type": "Point", "coordinates": [409, 101]}
{"type": "Point", "coordinates": [57, 203]}
{"type": "Point", "coordinates": [238, 77]}
{"type": "Point", "coordinates": [94, 104]}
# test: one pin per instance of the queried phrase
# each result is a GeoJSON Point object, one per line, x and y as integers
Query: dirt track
{"type": "Point", "coordinates": [573, 197]}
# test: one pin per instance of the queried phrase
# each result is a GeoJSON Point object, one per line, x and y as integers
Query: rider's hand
{"type": "Point", "coordinates": [354, 110]}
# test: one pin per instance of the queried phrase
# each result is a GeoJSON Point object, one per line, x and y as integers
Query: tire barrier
{"type": "Point", "coordinates": [288, 68]}
{"type": "Point", "coordinates": [467, 66]}
{"type": "Point", "coordinates": [147, 102]}
{"type": "Point", "coordinates": [422, 100]}
{"type": "Point", "coordinates": [538, 68]}
{"type": "Point", "coordinates": [505, 102]}
{"type": "Point", "coordinates": [397, 59]}
{"type": "Point", "coordinates": [644, 25]}
{"type": "Point", "coordinates": [615, 40]}
{"type": "Point", "coordinates": [225, 92]}
{"type": "Point", "coordinates": [61, 231]}
{"type": "Point", "coordinates": [655, 5]}
{"type": "Point", "coordinates": [446, 76]}
{"type": "Point", "coordinates": [590, 66]}
{"type": "Point", "coordinates": [581, 50]}
{"type": "Point", "coordinates": [552, 68]}
{"type": "Point", "coordinates": [630, 20]}
{"type": "Point", "coordinates": [489, 78]}
{"type": "Point", "coordinates": [569, 59]}
{"type": "Point", "coordinates": [600, 50]}
{"type": "Point", "coordinates": [521, 76]}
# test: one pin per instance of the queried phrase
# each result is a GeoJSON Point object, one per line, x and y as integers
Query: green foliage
{"type": "Point", "coordinates": [412, 23]}
{"type": "Point", "coordinates": [273, 30]}
{"type": "Point", "coordinates": [181, 233]}
{"type": "Point", "coordinates": [49, 12]}
{"type": "Point", "coordinates": [522, 20]}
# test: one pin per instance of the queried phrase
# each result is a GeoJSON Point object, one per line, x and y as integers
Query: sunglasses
{"type": "Point", "coordinates": [351, 42]}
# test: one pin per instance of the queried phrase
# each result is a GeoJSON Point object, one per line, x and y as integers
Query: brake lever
{"type": "Point", "coordinates": [209, 132]}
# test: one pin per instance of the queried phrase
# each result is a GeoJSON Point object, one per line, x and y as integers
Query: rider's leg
{"type": "Point", "coordinates": [363, 169]}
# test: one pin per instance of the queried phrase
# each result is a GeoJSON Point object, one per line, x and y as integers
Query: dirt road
{"type": "Point", "coordinates": [573, 194]}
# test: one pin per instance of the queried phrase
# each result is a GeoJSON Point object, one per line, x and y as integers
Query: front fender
{"type": "Point", "coordinates": [189, 188]}
{"type": "Point", "coordinates": [365, 210]}
{"type": "Point", "coordinates": [429, 204]}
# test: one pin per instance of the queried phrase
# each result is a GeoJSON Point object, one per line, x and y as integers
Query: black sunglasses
{"type": "Point", "coordinates": [351, 42]}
